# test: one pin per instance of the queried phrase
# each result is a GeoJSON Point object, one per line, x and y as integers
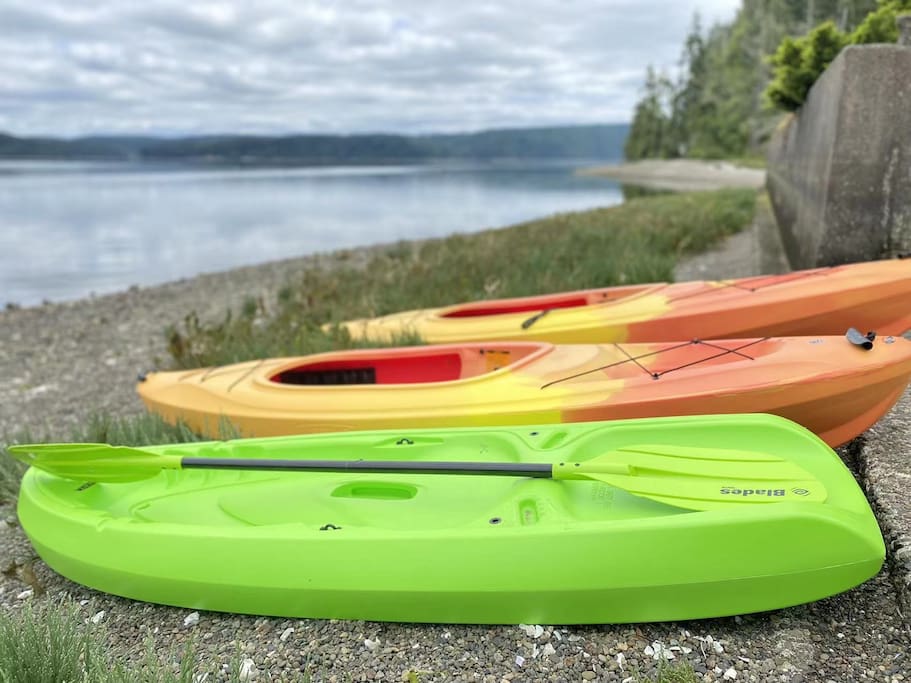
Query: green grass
{"type": "Point", "coordinates": [44, 642]}
{"type": "Point", "coordinates": [11, 472]}
{"type": "Point", "coordinates": [638, 241]}
{"type": "Point", "coordinates": [671, 673]}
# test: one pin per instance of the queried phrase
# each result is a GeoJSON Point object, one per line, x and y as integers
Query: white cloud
{"type": "Point", "coordinates": [277, 66]}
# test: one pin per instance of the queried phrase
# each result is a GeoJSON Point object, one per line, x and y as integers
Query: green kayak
{"type": "Point", "coordinates": [626, 521]}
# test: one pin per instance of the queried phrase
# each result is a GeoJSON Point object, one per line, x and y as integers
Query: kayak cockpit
{"type": "Point", "coordinates": [577, 299]}
{"type": "Point", "coordinates": [416, 365]}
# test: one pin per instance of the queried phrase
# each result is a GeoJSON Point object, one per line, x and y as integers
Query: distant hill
{"type": "Point", "coordinates": [567, 142]}
{"type": "Point", "coordinates": [83, 149]}
{"type": "Point", "coordinates": [570, 142]}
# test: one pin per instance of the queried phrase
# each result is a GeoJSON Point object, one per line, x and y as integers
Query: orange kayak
{"type": "Point", "coordinates": [831, 386]}
{"type": "Point", "coordinates": [868, 296]}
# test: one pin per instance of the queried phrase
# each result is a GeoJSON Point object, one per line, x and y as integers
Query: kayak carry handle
{"type": "Point", "coordinates": [535, 318]}
{"type": "Point", "coordinates": [864, 341]}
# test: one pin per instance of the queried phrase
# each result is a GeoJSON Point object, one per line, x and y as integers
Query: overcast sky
{"type": "Point", "coordinates": [70, 67]}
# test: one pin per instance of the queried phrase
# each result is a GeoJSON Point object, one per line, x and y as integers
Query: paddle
{"type": "Point", "coordinates": [686, 477]}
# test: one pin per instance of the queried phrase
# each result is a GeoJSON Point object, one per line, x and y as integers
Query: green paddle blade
{"type": "Point", "coordinates": [686, 477]}
{"type": "Point", "coordinates": [700, 478]}
{"type": "Point", "coordinates": [94, 461]}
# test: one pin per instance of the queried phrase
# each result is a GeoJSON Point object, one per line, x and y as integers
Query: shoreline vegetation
{"type": "Point", "coordinates": [59, 385]}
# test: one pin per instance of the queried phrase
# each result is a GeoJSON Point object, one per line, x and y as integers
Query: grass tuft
{"type": "Point", "coordinates": [139, 430]}
{"type": "Point", "coordinates": [671, 673]}
{"type": "Point", "coordinates": [48, 642]}
{"type": "Point", "coordinates": [11, 472]}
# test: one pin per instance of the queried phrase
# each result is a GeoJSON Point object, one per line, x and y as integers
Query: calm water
{"type": "Point", "coordinates": [67, 229]}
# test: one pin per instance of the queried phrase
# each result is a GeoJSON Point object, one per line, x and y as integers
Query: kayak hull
{"type": "Point", "coordinates": [548, 604]}
{"type": "Point", "coordinates": [456, 549]}
{"type": "Point", "coordinates": [868, 296]}
{"type": "Point", "coordinates": [830, 386]}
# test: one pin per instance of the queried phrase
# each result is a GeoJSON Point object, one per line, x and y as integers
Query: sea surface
{"type": "Point", "coordinates": [68, 230]}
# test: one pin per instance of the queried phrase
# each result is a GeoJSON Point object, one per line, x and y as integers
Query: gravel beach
{"type": "Point", "coordinates": [59, 363]}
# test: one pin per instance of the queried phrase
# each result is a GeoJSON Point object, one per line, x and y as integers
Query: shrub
{"type": "Point", "coordinates": [798, 62]}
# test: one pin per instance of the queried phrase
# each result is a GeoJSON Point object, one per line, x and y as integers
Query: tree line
{"type": "Point", "coordinates": [596, 142]}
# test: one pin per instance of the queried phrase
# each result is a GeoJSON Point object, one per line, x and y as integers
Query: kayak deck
{"type": "Point", "coordinates": [452, 548]}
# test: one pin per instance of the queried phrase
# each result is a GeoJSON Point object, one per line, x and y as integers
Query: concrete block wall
{"type": "Point", "coordinates": [839, 170]}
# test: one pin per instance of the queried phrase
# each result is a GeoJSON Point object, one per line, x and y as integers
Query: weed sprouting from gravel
{"type": "Point", "coordinates": [139, 430]}
{"type": "Point", "coordinates": [48, 643]}
{"type": "Point", "coordinates": [671, 673]}
{"type": "Point", "coordinates": [11, 472]}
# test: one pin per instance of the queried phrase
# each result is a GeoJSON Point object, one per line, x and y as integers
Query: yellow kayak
{"type": "Point", "coordinates": [867, 296]}
{"type": "Point", "coordinates": [833, 387]}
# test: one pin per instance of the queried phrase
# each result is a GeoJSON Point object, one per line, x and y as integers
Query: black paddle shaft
{"type": "Point", "coordinates": [502, 469]}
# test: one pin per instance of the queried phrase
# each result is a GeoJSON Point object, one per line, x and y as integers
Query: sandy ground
{"type": "Point", "coordinates": [681, 175]}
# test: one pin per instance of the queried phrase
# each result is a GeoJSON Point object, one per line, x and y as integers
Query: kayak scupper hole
{"type": "Point", "coordinates": [496, 520]}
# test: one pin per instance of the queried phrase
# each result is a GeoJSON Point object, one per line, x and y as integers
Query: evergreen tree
{"type": "Point", "coordinates": [649, 135]}
{"type": "Point", "coordinates": [687, 103]}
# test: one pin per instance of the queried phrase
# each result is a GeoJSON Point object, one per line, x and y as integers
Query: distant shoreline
{"type": "Point", "coordinates": [681, 175]}
{"type": "Point", "coordinates": [594, 141]}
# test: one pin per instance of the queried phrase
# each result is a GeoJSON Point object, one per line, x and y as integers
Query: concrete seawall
{"type": "Point", "coordinates": [839, 171]}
